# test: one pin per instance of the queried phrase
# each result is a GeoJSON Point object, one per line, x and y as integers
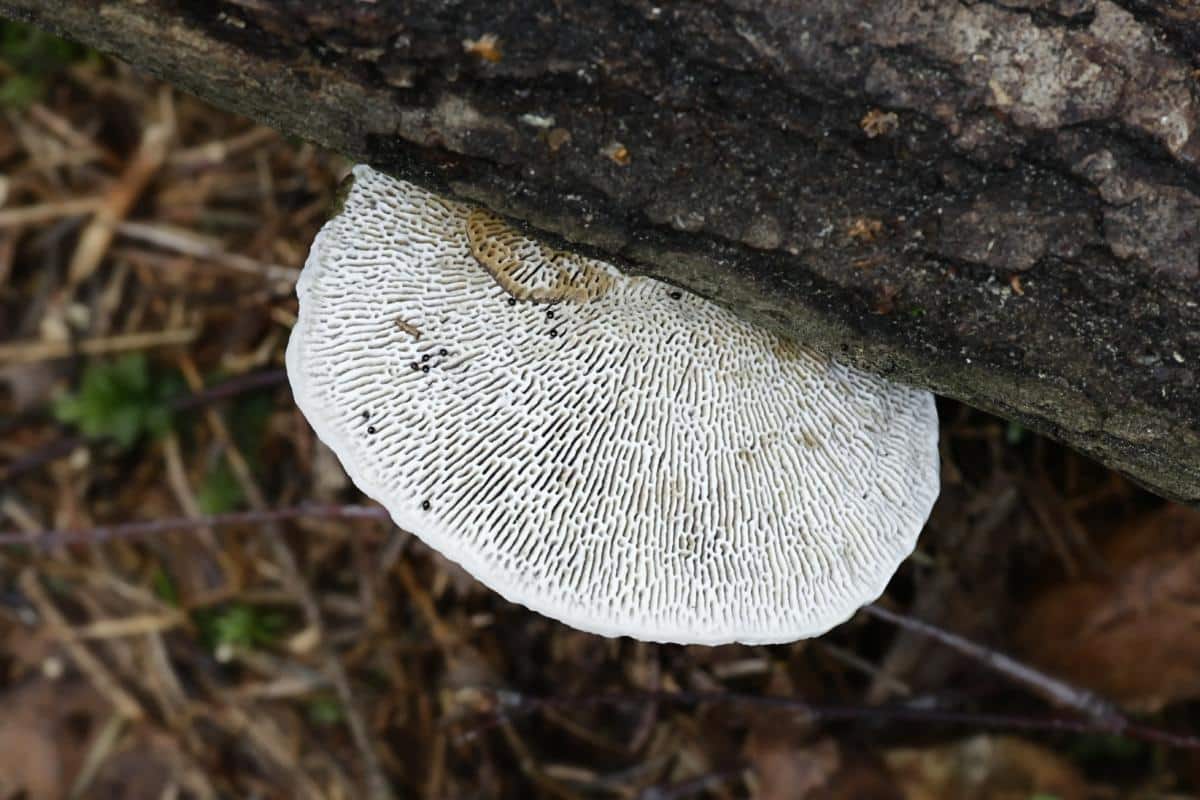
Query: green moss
{"type": "Point", "coordinates": [121, 400]}
{"type": "Point", "coordinates": [325, 709]}
{"type": "Point", "coordinates": [240, 625]}
{"type": "Point", "coordinates": [220, 492]}
{"type": "Point", "coordinates": [31, 58]}
{"type": "Point", "coordinates": [164, 588]}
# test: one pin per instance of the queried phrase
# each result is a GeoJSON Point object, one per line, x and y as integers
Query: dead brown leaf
{"type": "Point", "coordinates": [984, 768]}
{"type": "Point", "coordinates": [1131, 635]}
{"type": "Point", "coordinates": [44, 734]}
{"type": "Point", "coordinates": [786, 770]}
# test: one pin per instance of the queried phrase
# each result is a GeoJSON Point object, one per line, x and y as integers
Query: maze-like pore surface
{"type": "Point", "coordinates": [607, 450]}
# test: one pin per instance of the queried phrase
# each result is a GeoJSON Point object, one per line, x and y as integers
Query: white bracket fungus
{"type": "Point", "coordinates": [608, 450]}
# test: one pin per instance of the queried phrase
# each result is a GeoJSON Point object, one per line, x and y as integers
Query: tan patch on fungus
{"type": "Point", "coordinates": [787, 350]}
{"type": "Point", "coordinates": [409, 328]}
{"type": "Point", "coordinates": [543, 275]}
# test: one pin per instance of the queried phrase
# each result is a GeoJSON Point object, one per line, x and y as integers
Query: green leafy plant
{"type": "Point", "coordinates": [241, 625]}
{"type": "Point", "coordinates": [1014, 433]}
{"type": "Point", "coordinates": [324, 709]}
{"type": "Point", "coordinates": [31, 58]}
{"type": "Point", "coordinates": [122, 400]}
{"type": "Point", "coordinates": [220, 492]}
{"type": "Point", "coordinates": [164, 587]}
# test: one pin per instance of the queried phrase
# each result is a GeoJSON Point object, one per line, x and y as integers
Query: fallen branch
{"type": "Point", "coordinates": [883, 186]}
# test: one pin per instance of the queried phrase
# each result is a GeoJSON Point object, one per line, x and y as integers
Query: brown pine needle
{"type": "Point", "coordinates": [39, 350]}
{"type": "Point", "coordinates": [91, 666]}
{"type": "Point", "coordinates": [48, 212]}
{"type": "Point", "coordinates": [98, 235]}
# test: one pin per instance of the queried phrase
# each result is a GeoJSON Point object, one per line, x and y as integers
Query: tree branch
{"type": "Point", "coordinates": [1001, 206]}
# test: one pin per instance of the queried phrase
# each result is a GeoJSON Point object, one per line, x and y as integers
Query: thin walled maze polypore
{"type": "Point", "coordinates": [608, 450]}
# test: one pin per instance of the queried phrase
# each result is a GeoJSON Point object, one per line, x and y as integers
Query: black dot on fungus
{"type": "Point", "coordinates": [425, 369]}
{"type": "Point", "coordinates": [512, 301]}
{"type": "Point", "coordinates": [426, 505]}
{"type": "Point", "coordinates": [676, 295]}
{"type": "Point", "coordinates": [550, 313]}
{"type": "Point", "coordinates": [425, 357]}
{"type": "Point", "coordinates": [415, 365]}
{"type": "Point", "coordinates": [366, 415]}
{"type": "Point", "coordinates": [370, 429]}
{"type": "Point", "coordinates": [553, 332]}
{"type": "Point", "coordinates": [443, 352]}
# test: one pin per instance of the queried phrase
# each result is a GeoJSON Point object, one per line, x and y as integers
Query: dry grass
{"type": "Point", "coordinates": [325, 654]}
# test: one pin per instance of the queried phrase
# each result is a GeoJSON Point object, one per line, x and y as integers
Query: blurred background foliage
{"type": "Point", "coordinates": [29, 59]}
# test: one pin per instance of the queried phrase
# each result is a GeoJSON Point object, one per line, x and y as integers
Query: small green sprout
{"type": "Point", "coordinates": [121, 400]}
{"type": "Point", "coordinates": [324, 709]}
{"type": "Point", "coordinates": [220, 492]}
{"type": "Point", "coordinates": [241, 626]}
{"type": "Point", "coordinates": [1014, 433]}
{"type": "Point", "coordinates": [30, 58]}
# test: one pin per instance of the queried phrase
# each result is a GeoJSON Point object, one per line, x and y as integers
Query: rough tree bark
{"type": "Point", "coordinates": [999, 200]}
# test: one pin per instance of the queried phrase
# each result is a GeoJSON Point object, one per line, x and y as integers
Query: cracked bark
{"type": "Point", "coordinates": [997, 200]}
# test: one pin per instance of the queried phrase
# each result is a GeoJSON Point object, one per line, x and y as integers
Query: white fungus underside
{"type": "Point", "coordinates": [656, 469]}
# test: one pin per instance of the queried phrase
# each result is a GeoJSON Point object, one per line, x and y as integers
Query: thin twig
{"type": "Point", "coordinates": [98, 235]}
{"type": "Point", "coordinates": [1053, 689]}
{"type": "Point", "coordinates": [42, 350]}
{"type": "Point", "coordinates": [47, 212]}
{"type": "Point", "coordinates": [64, 130]}
{"type": "Point", "coordinates": [194, 245]}
{"type": "Point", "coordinates": [692, 786]}
{"type": "Point", "coordinates": [510, 704]}
{"type": "Point", "coordinates": [46, 540]}
{"type": "Point", "coordinates": [212, 153]}
{"type": "Point", "coordinates": [230, 388]}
